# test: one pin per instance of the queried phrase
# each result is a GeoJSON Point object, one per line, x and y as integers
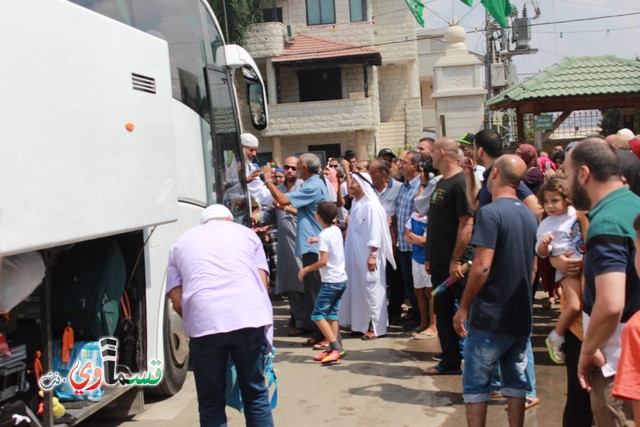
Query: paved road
{"type": "Point", "coordinates": [378, 383]}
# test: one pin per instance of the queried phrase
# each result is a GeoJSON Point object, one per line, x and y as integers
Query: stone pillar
{"type": "Point", "coordinates": [361, 149]}
{"type": "Point", "coordinates": [457, 87]}
{"type": "Point", "coordinates": [276, 149]}
{"type": "Point", "coordinates": [272, 87]}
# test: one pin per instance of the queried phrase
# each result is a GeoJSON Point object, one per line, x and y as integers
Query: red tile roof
{"type": "Point", "coordinates": [305, 48]}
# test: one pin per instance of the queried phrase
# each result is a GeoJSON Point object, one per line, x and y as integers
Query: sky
{"type": "Point", "coordinates": [554, 41]}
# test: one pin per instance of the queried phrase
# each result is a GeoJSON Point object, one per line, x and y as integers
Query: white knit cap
{"type": "Point", "coordinates": [249, 140]}
{"type": "Point", "coordinates": [215, 212]}
{"type": "Point", "coordinates": [626, 133]}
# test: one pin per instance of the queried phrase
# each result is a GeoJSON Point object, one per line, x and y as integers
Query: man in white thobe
{"type": "Point", "coordinates": [367, 250]}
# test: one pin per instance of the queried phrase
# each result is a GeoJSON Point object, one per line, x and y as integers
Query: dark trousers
{"type": "Point", "coordinates": [208, 358]}
{"type": "Point", "coordinates": [312, 284]}
{"type": "Point", "coordinates": [395, 288]}
{"type": "Point", "coordinates": [407, 278]}
{"type": "Point", "coordinates": [298, 309]}
{"type": "Point", "coordinates": [444, 305]}
{"type": "Point", "coordinates": [577, 410]}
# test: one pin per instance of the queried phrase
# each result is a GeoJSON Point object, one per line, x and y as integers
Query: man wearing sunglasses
{"type": "Point", "coordinates": [288, 264]}
{"type": "Point", "coordinates": [304, 200]}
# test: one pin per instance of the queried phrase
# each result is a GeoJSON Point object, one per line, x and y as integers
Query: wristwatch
{"type": "Point", "coordinates": [373, 255]}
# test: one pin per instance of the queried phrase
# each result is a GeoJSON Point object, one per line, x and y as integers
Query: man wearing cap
{"type": "Point", "coordinates": [350, 156]}
{"type": "Point", "coordinates": [217, 282]}
{"type": "Point", "coordinates": [465, 143]}
{"type": "Point", "coordinates": [386, 154]}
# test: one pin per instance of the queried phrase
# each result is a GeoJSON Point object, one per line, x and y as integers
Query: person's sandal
{"type": "Point", "coordinates": [368, 336]}
{"type": "Point", "coordinates": [321, 345]}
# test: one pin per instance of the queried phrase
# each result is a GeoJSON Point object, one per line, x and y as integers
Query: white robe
{"type": "Point", "coordinates": [365, 300]}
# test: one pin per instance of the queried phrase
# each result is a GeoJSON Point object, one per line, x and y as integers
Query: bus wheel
{"type": "Point", "coordinates": [176, 354]}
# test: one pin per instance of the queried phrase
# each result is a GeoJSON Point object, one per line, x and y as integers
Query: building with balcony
{"type": "Point", "coordinates": [341, 75]}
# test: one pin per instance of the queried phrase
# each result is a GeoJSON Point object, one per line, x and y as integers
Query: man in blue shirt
{"type": "Point", "coordinates": [497, 298]}
{"type": "Point", "coordinates": [304, 201]}
{"type": "Point", "coordinates": [409, 166]}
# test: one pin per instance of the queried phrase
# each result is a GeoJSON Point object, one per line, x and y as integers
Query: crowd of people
{"type": "Point", "coordinates": [358, 245]}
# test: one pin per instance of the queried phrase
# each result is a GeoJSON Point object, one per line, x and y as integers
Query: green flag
{"type": "Point", "coordinates": [498, 9]}
{"type": "Point", "coordinates": [416, 8]}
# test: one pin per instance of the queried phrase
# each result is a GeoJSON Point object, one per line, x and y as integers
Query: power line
{"type": "Point", "coordinates": [408, 39]}
{"type": "Point", "coordinates": [589, 31]}
{"type": "Point", "coordinates": [583, 3]}
{"type": "Point", "coordinates": [584, 19]}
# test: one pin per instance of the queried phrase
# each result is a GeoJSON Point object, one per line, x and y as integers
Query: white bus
{"type": "Point", "coordinates": [118, 120]}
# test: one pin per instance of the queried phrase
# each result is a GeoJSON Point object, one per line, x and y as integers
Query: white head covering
{"type": "Point", "coordinates": [626, 134]}
{"type": "Point", "coordinates": [249, 140]}
{"type": "Point", "coordinates": [422, 202]}
{"type": "Point", "coordinates": [215, 212]}
{"type": "Point", "coordinates": [366, 183]}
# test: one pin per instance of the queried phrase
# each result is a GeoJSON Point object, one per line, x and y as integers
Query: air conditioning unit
{"type": "Point", "coordinates": [522, 32]}
{"type": "Point", "coordinates": [498, 75]}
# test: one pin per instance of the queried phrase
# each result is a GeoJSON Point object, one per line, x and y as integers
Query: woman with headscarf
{"type": "Point", "coordinates": [367, 250]}
{"type": "Point", "coordinates": [534, 177]}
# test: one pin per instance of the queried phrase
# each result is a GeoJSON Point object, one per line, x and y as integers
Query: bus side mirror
{"type": "Point", "coordinates": [237, 57]}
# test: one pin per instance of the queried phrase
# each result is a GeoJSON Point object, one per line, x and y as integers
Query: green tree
{"type": "Point", "coordinates": [611, 121]}
{"type": "Point", "coordinates": [235, 16]}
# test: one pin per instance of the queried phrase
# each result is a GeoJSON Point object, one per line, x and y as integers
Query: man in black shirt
{"type": "Point", "coordinates": [448, 235]}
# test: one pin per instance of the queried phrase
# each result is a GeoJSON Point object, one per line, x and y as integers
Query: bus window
{"type": "Point", "coordinates": [228, 157]}
{"type": "Point", "coordinates": [179, 23]}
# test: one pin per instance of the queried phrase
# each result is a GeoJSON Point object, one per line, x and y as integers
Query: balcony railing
{"type": "Point", "coordinates": [340, 115]}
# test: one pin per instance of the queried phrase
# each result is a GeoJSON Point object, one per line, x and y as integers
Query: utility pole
{"type": "Point", "coordinates": [488, 60]}
{"type": "Point", "coordinates": [226, 24]}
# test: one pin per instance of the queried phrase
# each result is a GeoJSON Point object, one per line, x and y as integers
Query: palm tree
{"type": "Point", "coordinates": [235, 16]}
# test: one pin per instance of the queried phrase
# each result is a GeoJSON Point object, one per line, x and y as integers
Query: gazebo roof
{"type": "Point", "coordinates": [305, 49]}
{"type": "Point", "coordinates": [576, 83]}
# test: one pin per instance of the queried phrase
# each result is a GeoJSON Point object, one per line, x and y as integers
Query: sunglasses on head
{"type": "Point", "coordinates": [293, 168]}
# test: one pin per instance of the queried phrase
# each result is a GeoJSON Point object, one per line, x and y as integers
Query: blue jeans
{"type": "Point", "coordinates": [328, 301]}
{"type": "Point", "coordinates": [208, 358]}
{"type": "Point", "coordinates": [482, 352]}
{"type": "Point", "coordinates": [407, 278]}
{"type": "Point", "coordinates": [529, 373]}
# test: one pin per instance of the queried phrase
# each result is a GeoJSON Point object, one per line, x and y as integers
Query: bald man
{"type": "Point", "coordinates": [497, 299]}
{"type": "Point", "coordinates": [448, 235]}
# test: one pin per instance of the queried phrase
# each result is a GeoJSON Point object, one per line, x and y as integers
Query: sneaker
{"type": "Point", "coordinates": [333, 356]}
{"type": "Point", "coordinates": [555, 344]}
{"type": "Point", "coordinates": [437, 357]}
{"type": "Point", "coordinates": [318, 357]}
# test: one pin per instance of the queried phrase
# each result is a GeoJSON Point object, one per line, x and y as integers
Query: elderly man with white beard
{"type": "Point", "coordinates": [367, 249]}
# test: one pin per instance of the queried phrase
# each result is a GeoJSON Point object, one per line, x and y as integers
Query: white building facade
{"type": "Point", "coordinates": [341, 75]}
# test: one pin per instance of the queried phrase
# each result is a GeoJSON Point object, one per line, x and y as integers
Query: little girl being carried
{"type": "Point", "coordinates": [560, 234]}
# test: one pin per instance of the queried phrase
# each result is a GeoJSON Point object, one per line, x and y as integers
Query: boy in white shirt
{"type": "Point", "coordinates": [334, 280]}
